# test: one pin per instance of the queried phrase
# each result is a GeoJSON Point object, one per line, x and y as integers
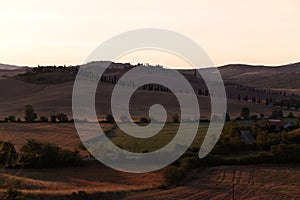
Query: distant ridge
{"type": "Point", "coordinates": [10, 67]}
{"type": "Point", "coordinates": [260, 66]}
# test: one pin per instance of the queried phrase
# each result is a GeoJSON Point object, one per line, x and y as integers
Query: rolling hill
{"type": "Point", "coordinates": [52, 98]}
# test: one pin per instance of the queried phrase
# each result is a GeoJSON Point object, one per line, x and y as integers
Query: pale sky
{"type": "Point", "coordinates": [230, 31]}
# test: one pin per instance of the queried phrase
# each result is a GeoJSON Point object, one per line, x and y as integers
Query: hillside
{"type": "Point", "coordinates": [51, 92]}
{"type": "Point", "coordinates": [9, 67]}
{"type": "Point", "coordinates": [11, 70]}
{"type": "Point", "coordinates": [51, 99]}
{"type": "Point", "coordinates": [278, 77]}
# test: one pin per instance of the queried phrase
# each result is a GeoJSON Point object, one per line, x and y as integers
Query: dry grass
{"type": "Point", "coordinates": [52, 99]}
{"type": "Point", "coordinates": [91, 178]}
{"type": "Point", "coordinates": [251, 182]}
{"type": "Point", "coordinates": [64, 135]}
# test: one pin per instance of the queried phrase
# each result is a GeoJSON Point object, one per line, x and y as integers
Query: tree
{"type": "Point", "coordinates": [175, 118]}
{"type": "Point", "coordinates": [277, 113]}
{"type": "Point", "coordinates": [53, 119]}
{"type": "Point", "coordinates": [262, 139]}
{"type": "Point", "coordinates": [291, 115]}
{"type": "Point", "coordinates": [227, 117]}
{"type": "Point", "coordinates": [62, 117]}
{"type": "Point", "coordinates": [44, 119]}
{"type": "Point", "coordinates": [8, 154]}
{"type": "Point", "coordinates": [144, 120]}
{"type": "Point", "coordinates": [110, 119]}
{"type": "Point", "coordinates": [30, 114]}
{"type": "Point", "coordinates": [245, 113]}
{"type": "Point", "coordinates": [12, 118]}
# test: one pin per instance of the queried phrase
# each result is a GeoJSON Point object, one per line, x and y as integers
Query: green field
{"type": "Point", "coordinates": [138, 145]}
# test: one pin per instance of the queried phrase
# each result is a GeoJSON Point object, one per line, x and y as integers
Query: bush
{"type": "Point", "coordinates": [37, 154]}
{"type": "Point", "coordinates": [8, 154]}
{"type": "Point", "coordinates": [245, 113]}
{"type": "Point", "coordinates": [144, 120]}
{"type": "Point", "coordinates": [294, 137]}
{"type": "Point", "coordinates": [173, 175]}
{"type": "Point", "coordinates": [285, 153]}
{"type": "Point", "coordinates": [79, 195]}
{"type": "Point", "coordinates": [62, 117]}
{"type": "Point", "coordinates": [13, 194]}
{"type": "Point", "coordinates": [53, 119]}
{"type": "Point", "coordinates": [175, 118]}
{"type": "Point", "coordinates": [12, 118]}
{"type": "Point", "coordinates": [110, 119]}
{"type": "Point", "coordinates": [30, 114]}
{"type": "Point", "coordinates": [81, 146]}
{"type": "Point", "coordinates": [44, 119]}
{"type": "Point", "coordinates": [188, 162]}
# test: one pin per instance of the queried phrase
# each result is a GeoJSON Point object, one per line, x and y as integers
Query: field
{"type": "Point", "coordinates": [250, 182]}
{"type": "Point", "coordinates": [161, 139]}
{"type": "Point", "coordinates": [56, 183]}
{"type": "Point", "coordinates": [98, 181]}
{"type": "Point", "coordinates": [63, 135]}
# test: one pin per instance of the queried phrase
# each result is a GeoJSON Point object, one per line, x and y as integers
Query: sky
{"type": "Point", "coordinates": [65, 32]}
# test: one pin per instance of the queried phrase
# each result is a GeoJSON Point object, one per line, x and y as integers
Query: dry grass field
{"type": "Point", "coordinates": [92, 178]}
{"type": "Point", "coordinates": [52, 99]}
{"type": "Point", "coordinates": [250, 182]}
{"type": "Point", "coordinates": [63, 135]}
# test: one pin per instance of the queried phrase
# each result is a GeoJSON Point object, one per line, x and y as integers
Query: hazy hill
{"type": "Point", "coordinates": [281, 77]}
{"type": "Point", "coordinates": [9, 67]}
{"type": "Point", "coordinates": [11, 70]}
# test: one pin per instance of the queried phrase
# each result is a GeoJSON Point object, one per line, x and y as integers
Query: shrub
{"type": "Point", "coordinates": [285, 153]}
{"type": "Point", "coordinates": [30, 114]}
{"type": "Point", "coordinates": [53, 119]}
{"type": "Point", "coordinates": [13, 194]}
{"type": "Point", "coordinates": [37, 154]}
{"type": "Point", "coordinates": [277, 113]}
{"type": "Point", "coordinates": [12, 118]}
{"type": "Point", "coordinates": [79, 195]}
{"type": "Point", "coordinates": [173, 175]}
{"type": "Point", "coordinates": [110, 119]}
{"type": "Point", "coordinates": [245, 113]}
{"type": "Point", "coordinates": [294, 137]}
{"type": "Point", "coordinates": [44, 119]}
{"type": "Point", "coordinates": [81, 146]}
{"type": "Point", "coordinates": [62, 117]}
{"type": "Point", "coordinates": [8, 154]}
{"type": "Point", "coordinates": [188, 162]}
{"type": "Point", "coordinates": [175, 118]}
{"type": "Point", "coordinates": [291, 115]}
{"type": "Point", "coordinates": [144, 120]}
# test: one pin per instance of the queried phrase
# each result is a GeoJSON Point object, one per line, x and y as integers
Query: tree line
{"type": "Point", "coordinates": [31, 116]}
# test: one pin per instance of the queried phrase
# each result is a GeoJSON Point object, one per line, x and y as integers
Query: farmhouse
{"type": "Point", "coordinates": [277, 125]}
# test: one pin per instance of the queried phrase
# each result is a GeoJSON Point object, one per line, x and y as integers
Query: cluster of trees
{"type": "Point", "coordinates": [281, 147]}
{"type": "Point", "coordinates": [144, 120]}
{"type": "Point", "coordinates": [273, 143]}
{"type": "Point", "coordinates": [36, 154]}
{"type": "Point", "coordinates": [51, 69]}
{"type": "Point", "coordinates": [277, 113]}
{"type": "Point", "coordinates": [258, 90]}
{"type": "Point", "coordinates": [31, 116]}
